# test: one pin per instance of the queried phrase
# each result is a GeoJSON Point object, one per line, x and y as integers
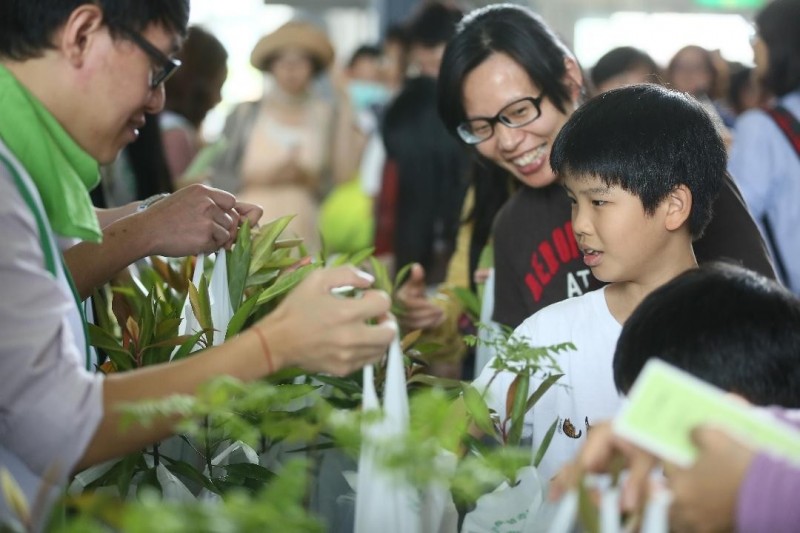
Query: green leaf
{"type": "Point", "coordinates": [285, 283]}
{"type": "Point", "coordinates": [545, 443]}
{"type": "Point", "coordinates": [400, 278]}
{"type": "Point", "coordinates": [263, 277]}
{"type": "Point", "coordinates": [434, 381]}
{"type": "Point", "coordinates": [478, 409]}
{"type": "Point", "coordinates": [469, 300]}
{"type": "Point", "coordinates": [517, 414]}
{"type": "Point", "coordinates": [128, 467]}
{"type": "Point", "coordinates": [149, 480]}
{"type": "Point", "coordinates": [382, 281]}
{"type": "Point", "coordinates": [346, 385]}
{"type": "Point", "coordinates": [187, 346]}
{"type": "Point", "coordinates": [187, 471]}
{"type": "Point", "coordinates": [264, 243]}
{"type": "Point", "coordinates": [201, 306]}
{"type": "Point", "coordinates": [544, 387]}
{"type": "Point", "coordinates": [239, 265]}
{"type": "Point", "coordinates": [103, 340]}
{"type": "Point", "coordinates": [288, 243]}
{"type": "Point", "coordinates": [167, 328]}
{"type": "Point", "coordinates": [240, 317]}
{"type": "Point", "coordinates": [359, 257]}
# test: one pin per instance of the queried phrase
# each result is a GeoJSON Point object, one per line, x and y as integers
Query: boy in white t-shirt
{"type": "Point", "coordinates": [642, 166]}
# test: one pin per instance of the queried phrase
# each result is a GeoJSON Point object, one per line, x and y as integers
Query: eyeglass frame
{"type": "Point", "coordinates": [466, 136]}
{"type": "Point", "coordinates": [168, 65]}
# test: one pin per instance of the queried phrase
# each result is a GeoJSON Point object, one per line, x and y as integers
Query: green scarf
{"type": "Point", "coordinates": [61, 170]}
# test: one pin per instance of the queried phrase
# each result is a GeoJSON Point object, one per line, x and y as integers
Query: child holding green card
{"type": "Point", "coordinates": [642, 166]}
{"type": "Point", "coordinates": [741, 333]}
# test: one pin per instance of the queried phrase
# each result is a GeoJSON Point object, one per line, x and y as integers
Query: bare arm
{"type": "Point", "coordinates": [310, 328]}
{"type": "Point", "coordinates": [193, 220]}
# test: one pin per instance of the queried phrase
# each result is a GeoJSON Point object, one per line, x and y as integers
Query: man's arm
{"type": "Point", "coordinates": [194, 220]}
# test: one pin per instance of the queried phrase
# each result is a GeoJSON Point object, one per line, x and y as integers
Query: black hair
{"type": "Point", "coordinates": [434, 24]}
{"type": "Point", "coordinates": [369, 51]}
{"type": "Point", "coordinates": [708, 64]}
{"type": "Point", "coordinates": [492, 187]}
{"type": "Point", "coordinates": [740, 81]}
{"type": "Point", "coordinates": [507, 29]}
{"type": "Point", "coordinates": [724, 324]}
{"type": "Point", "coordinates": [27, 26]}
{"type": "Point", "coordinates": [396, 33]}
{"type": "Point", "coordinates": [778, 27]}
{"type": "Point", "coordinates": [623, 59]}
{"type": "Point", "coordinates": [190, 91]}
{"type": "Point", "coordinates": [648, 140]}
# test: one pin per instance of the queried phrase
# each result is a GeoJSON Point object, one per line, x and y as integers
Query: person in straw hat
{"type": "Point", "coordinates": [283, 147]}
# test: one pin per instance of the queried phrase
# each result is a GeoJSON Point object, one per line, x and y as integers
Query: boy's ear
{"type": "Point", "coordinates": [573, 79]}
{"type": "Point", "coordinates": [79, 32]}
{"type": "Point", "coordinates": [678, 207]}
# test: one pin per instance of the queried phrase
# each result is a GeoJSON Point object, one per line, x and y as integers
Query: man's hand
{"type": "Point", "coordinates": [195, 219]}
{"type": "Point", "coordinates": [320, 332]}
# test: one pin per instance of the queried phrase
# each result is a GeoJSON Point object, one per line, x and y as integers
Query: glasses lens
{"type": "Point", "coordinates": [519, 113]}
{"type": "Point", "coordinates": [475, 131]}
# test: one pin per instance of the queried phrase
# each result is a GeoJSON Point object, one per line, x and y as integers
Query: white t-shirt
{"type": "Point", "coordinates": [584, 395]}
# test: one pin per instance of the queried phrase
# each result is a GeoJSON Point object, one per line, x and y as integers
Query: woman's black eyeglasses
{"type": "Point", "coordinates": [514, 115]}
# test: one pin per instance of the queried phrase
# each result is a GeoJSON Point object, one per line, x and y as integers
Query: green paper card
{"type": "Point", "coordinates": [665, 404]}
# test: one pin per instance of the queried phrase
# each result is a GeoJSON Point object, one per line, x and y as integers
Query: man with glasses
{"type": "Point", "coordinates": [76, 81]}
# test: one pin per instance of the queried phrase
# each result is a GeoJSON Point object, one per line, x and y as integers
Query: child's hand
{"type": "Point", "coordinates": [601, 453]}
{"type": "Point", "coordinates": [705, 495]}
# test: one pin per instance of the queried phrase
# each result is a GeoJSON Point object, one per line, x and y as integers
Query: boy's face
{"type": "Point", "coordinates": [619, 241]}
{"type": "Point", "coordinates": [524, 151]}
{"type": "Point", "coordinates": [115, 90]}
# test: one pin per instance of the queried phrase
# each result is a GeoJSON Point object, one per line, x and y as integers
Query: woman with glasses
{"type": "Point", "coordinates": [506, 86]}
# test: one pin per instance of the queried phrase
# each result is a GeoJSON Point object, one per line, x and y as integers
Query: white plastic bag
{"type": "Point", "coordinates": [220, 298]}
{"type": "Point", "coordinates": [508, 509]}
{"type": "Point", "coordinates": [189, 324]}
{"type": "Point", "coordinates": [384, 501]}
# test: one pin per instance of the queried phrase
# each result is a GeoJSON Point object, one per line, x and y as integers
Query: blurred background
{"type": "Point", "coordinates": [590, 27]}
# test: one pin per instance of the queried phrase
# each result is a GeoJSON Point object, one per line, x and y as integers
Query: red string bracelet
{"type": "Point", "coordinates": [265, 346]}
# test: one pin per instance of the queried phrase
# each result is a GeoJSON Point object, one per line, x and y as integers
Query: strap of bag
{"type": "Point", "coordinates": [790, 127]}
{"type": "Point", "coordinates": [48, 247]}
{"type": "Point", "coordinates": [788, 124]}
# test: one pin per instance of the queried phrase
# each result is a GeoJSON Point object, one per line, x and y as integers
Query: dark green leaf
{"type": "Point", "coordinates": [239, 265]}
{"type": "Point", "coordinates": [545, 443]}
{"type": "Point", "coordinates": [285, 283]}
{"type": "Point", "coordinates": [240, 317]}
{"type": "Point", "coordinates": [264, 243]}
{"type": "Point", "coordinates": [544, 387]}
{"type": "Point", "coordinates": [478, 409]}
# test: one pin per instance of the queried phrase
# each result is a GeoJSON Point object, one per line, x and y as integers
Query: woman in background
{"type": "Point", "coordinates": [190, 94]}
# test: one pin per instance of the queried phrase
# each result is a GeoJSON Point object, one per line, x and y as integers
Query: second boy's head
{"type": "Point", "coordinates": [642, 165]}
{"type": "Point", "coordinates": [726, 325]}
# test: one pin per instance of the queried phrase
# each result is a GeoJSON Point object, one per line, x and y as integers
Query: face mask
{"type": "Point", "coordinates": [366, 94]}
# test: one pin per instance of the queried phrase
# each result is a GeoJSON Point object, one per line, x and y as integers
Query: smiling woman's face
{"type": "Point", "coordinates": [524, 151]}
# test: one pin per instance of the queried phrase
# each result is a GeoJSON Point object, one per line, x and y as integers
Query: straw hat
{"type": "Point", "coordinates": [298, 34]}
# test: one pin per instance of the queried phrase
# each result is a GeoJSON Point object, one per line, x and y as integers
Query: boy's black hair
{"type": "Point", "coordinates": [27, 26]}
{"type": "Point", "coordinates": [724, 324]}
{"type": "Point", "coordinates": [648, 140]}
{"type": "Point", "coordinates": [779, 27]}
{"type": "Point", "coordinates": [370, 51]}
{"type": "Point", "coordinates": [508, 29]}
{"type": "Point", "coordinates": [623, 59]}
{"type": "Point", "coordinates": [433, 25]}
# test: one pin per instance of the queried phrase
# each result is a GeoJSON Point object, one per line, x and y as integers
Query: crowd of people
{"type": "Point", "coordinates": [635, 211]}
